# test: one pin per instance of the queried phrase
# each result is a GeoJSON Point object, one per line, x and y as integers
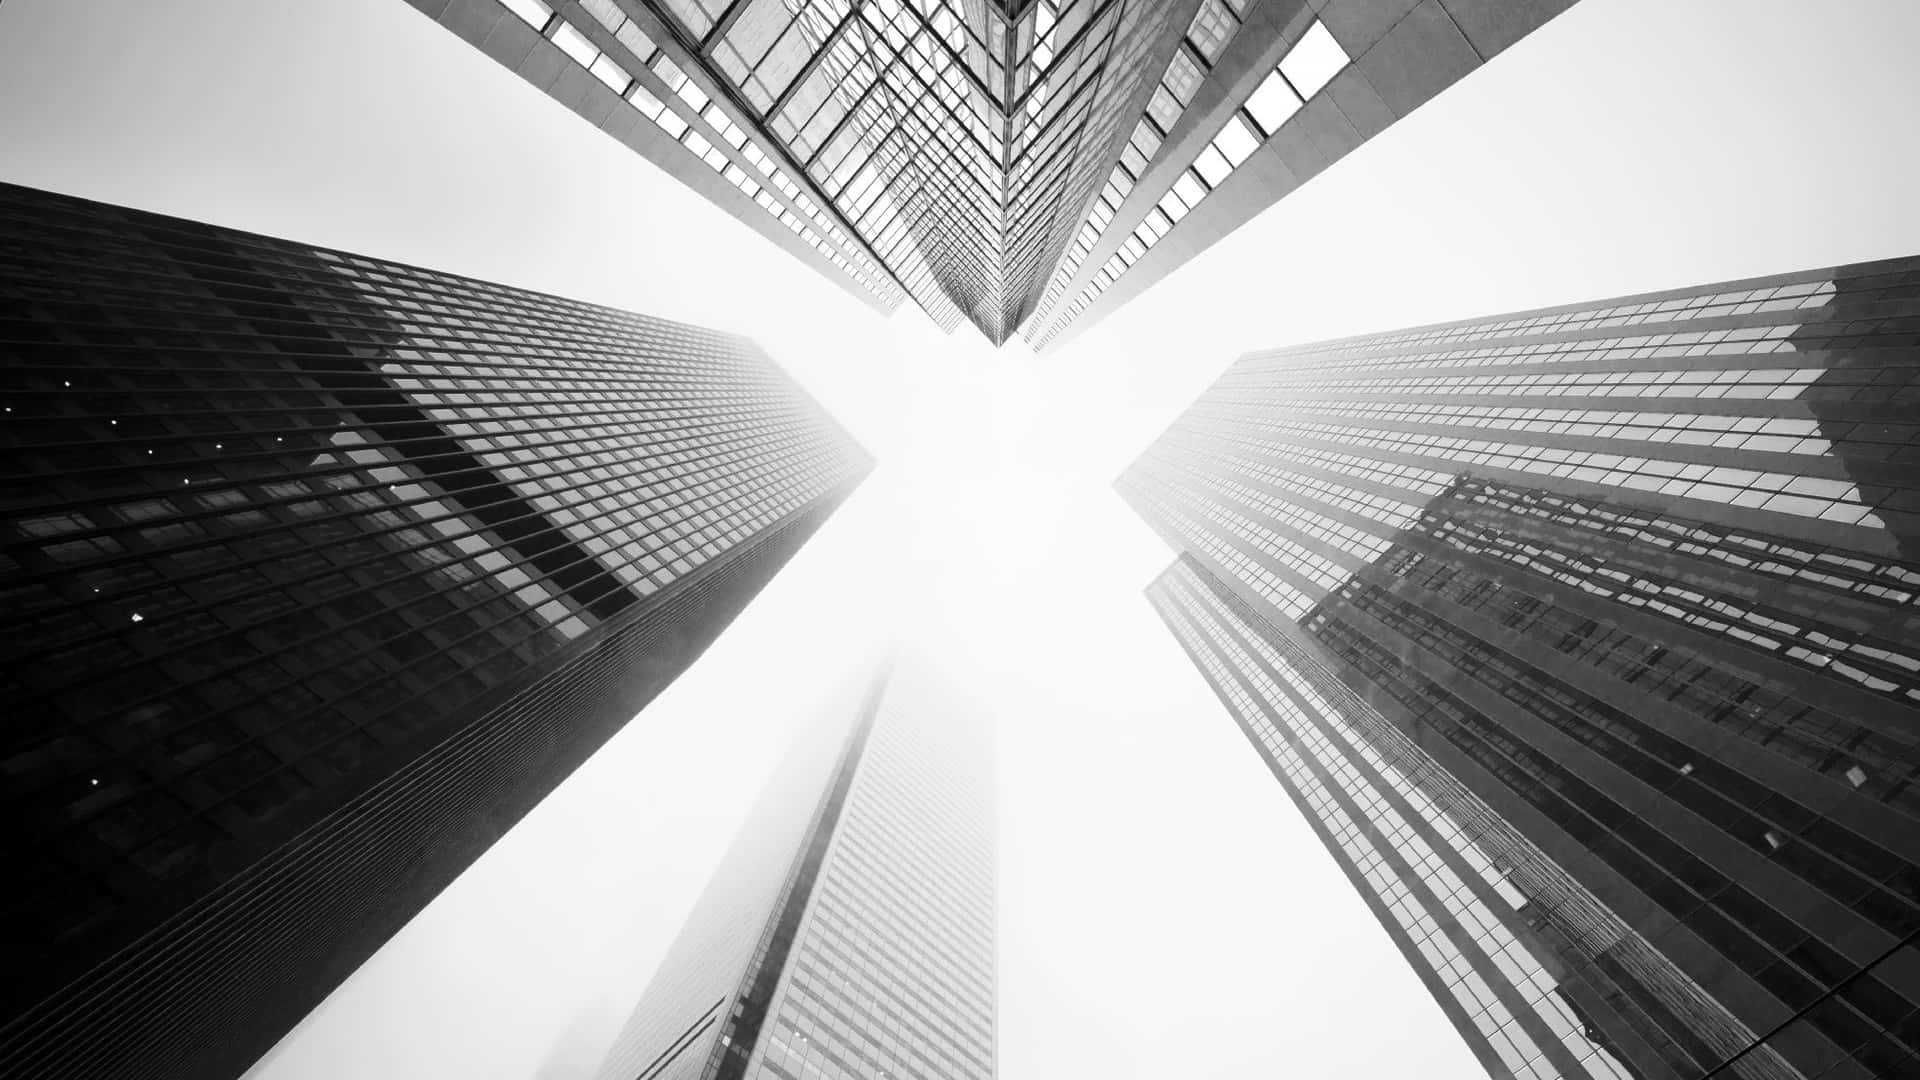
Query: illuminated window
{"type": "Point", "coordinates": [1212, 167]}
{"type": "Point", "coordinates": [1273, 103]}
{"type": "Point", "coordinates": [1313, 61]}
{"type": "Point", "coordinates": [1189, 188]}
{"type": "Point", "coordinates": [649, 106]}
{"type": "Point", "coordinates": [1235, 142]}
{"type": "Point", "coordinates": [534, 12]}
{"type": "Point", "coordinates": [575, 44]}
{"type": "Point", "coordinates": [1212, 26]}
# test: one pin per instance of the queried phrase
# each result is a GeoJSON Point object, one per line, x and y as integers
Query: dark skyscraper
{"type": "Point", "coordinates": [849, 931]}
{"type": "Point", "coordinates": [1587, 640]}
{"type": "Point", "coordinates": [317, 573]}
{"type": "Point", "coordinates": [1023, 164]}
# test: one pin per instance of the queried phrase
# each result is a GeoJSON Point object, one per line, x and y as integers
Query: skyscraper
{"type": "Point", "coordinates": [849, 931]}
{"type": "Point", "coordinates": [1023, 164]}
{"type": "Point", "coordinates": [1607, 613]}
{"type": "Point", "coordinates": [319, 571]}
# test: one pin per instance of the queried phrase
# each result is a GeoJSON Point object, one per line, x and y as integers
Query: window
{"type": "Point", "coordinates": [1183, 77]}
{"type": "Point", "coordinates": [692, 95]}
{"type": "Point", "coordinates": [1146, 140]}
{"type": "Point", "coordinates": [534, 12]}
{"type": "Point", "coordinates": [575, 44]}
{"type": "Point", "coordinates": [1273, 103]}
{"type": "Point", "coordinates": [1164, 109]}
{"type": "Point", "coordinates": [610, 73]}
{"type": "Point", "coordinates": [1212, 26]}
{"type": "Point", "coordinates": [1211, 166]}
{"type": "Point", "coordinates": [648, 105]}
{"type": "Point", "coordinates": [1235, 141]}
{"type": "Point", "coordinates": [1189, 189]}
{"type": "Point", "coordinates": [605, 11]}
{"type": "Point", "coordinates": [669, 72]}
{"type": "Point", "coordinates": [1313, 61]}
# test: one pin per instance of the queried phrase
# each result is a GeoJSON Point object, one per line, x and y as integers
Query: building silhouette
{"type": "Point", "coordinates": [1026, 165]}
{"type": "Point", "coordinates": [1587, 640]}
{"type": "Point", "coordinates": [319, 571]}
{"type": "Point", "coordinates": [849, 930]}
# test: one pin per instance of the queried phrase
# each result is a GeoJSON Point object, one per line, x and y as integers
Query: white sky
{"type": "Point", "coordinates": [1164, 912]}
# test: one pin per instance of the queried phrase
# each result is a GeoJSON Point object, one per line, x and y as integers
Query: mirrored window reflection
{"type": "Point", "coordinates": [1308, 66]}
{"type": "Point", "coordinates": [1650, 545]}
{"type": "Point", "coordinates": [234, 580]}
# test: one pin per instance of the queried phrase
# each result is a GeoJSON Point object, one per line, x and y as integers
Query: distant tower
{"type": "Point", "coordinates": [850, 929]}
{"type": "Point", "coordinates": [316, 573]}
{"type": "Point", "coordinates": [1587, 638]}
{"type": "Point", "coordinates": [1027, 165]}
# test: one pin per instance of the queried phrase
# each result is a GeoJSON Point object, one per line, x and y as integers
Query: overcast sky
{"type": "Point", "coordinates": [1163, 910]}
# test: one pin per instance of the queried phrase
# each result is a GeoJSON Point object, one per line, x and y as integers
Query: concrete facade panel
{"type": "Point", "coordinates": [473, 20]}
{"type": "Point", "coordinates": [1297, 149]}
{"type": "Point", "coordinates": [1422, 55]}
{"type": "Point", "coordinates": [1358, 101]}
{"type": "Point", "coordinates": [1358, 24]}
{"type": "Point", "coordinates": [542, 64]}
{"type": "Point", "coordinates": [1329, 128]}
{"type": "Point", "coordinates": [1492, 25]}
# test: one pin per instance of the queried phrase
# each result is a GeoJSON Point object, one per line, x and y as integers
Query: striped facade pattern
{"type": "Point", "coordinates": [1640, 576]}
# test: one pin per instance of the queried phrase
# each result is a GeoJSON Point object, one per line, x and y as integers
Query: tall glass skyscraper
{"type": "Point", "coordinates": [1587, 639]}
{"type": "Point", "coordinates": [849, 931]}
{"type": "Point", "coordinates": [1017, 163]}
{"type": "Point", "coordinates": [316, 573]}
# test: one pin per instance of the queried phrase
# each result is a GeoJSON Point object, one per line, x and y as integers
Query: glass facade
{"type": "Point", "coordinates": [938, 149]}
{"type": "Point", "coordinates": [1668, 640]}
{"type": "Point", "coordinates": [1260, 97]}
{"type": "Point", "coordinates": [318, 571]}
{"type": "Point", "coordinates": [1001, 162]}
{"type": "Point", "coordinates": [849, 932]}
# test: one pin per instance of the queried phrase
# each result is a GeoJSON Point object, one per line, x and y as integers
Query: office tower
{"type": "Point", "coordinates": [849, 931]}
{"type": "Point", "coordinates": [1607, 612]}
{"type": "Point", "coordinates": [319, 571]}
{"type": "Point", "coordinates": [1023, 164]}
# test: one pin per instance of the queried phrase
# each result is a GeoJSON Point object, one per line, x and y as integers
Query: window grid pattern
{"type": "Point", "coordinates": [704, 1007]}
{"type": "Point", "coordinates": [1789, 493]}
{"type": "Point", "coordinates": [1866, 657]}
{"type": "Point", "coordinates": [1360, 801]}
{"type": "Point", "coordinates": [1293, 484]}
{"type": "Point", "coordinates": [1617, 980]}
{"type": "Point", "coordinates": [948, 136]}
{"type": "Point", "coordinates": [1307, 542]}
{"type": "Point", "coordinates": [1613, 355]}
{"type": "Point", "coordinates": [892, 972]}
{"type": "Point", "coordinates": [662, 93]}
{"type": "Point", "coordinates": [1285, 573]}
{"type": "Point", "coordinates": [1860, 750]}
{"type": "Point", "coordinates": [1719, 427]}
{"type": "Point", "coordinates": [1773, 434]}
{"type": "Point", "coordinates": [1809, 293]}
{"type": "Point", "coordinates": [1659, 586]}
{"type": "Point", "coordinates": [1776, 949]}
{"type": "Point", "coordinates": [1404, 484]}
{"type": "Point", "coordinates": [1214, 24]}
{"type": "Point", "coordinates": [1520, 379]}
{"type": "Point", "coordinates": [1879, 885]}
{"type": "Point", "coordinates": [278, 512]}
{"type": "Point", "coordinates": [1283, 92]}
